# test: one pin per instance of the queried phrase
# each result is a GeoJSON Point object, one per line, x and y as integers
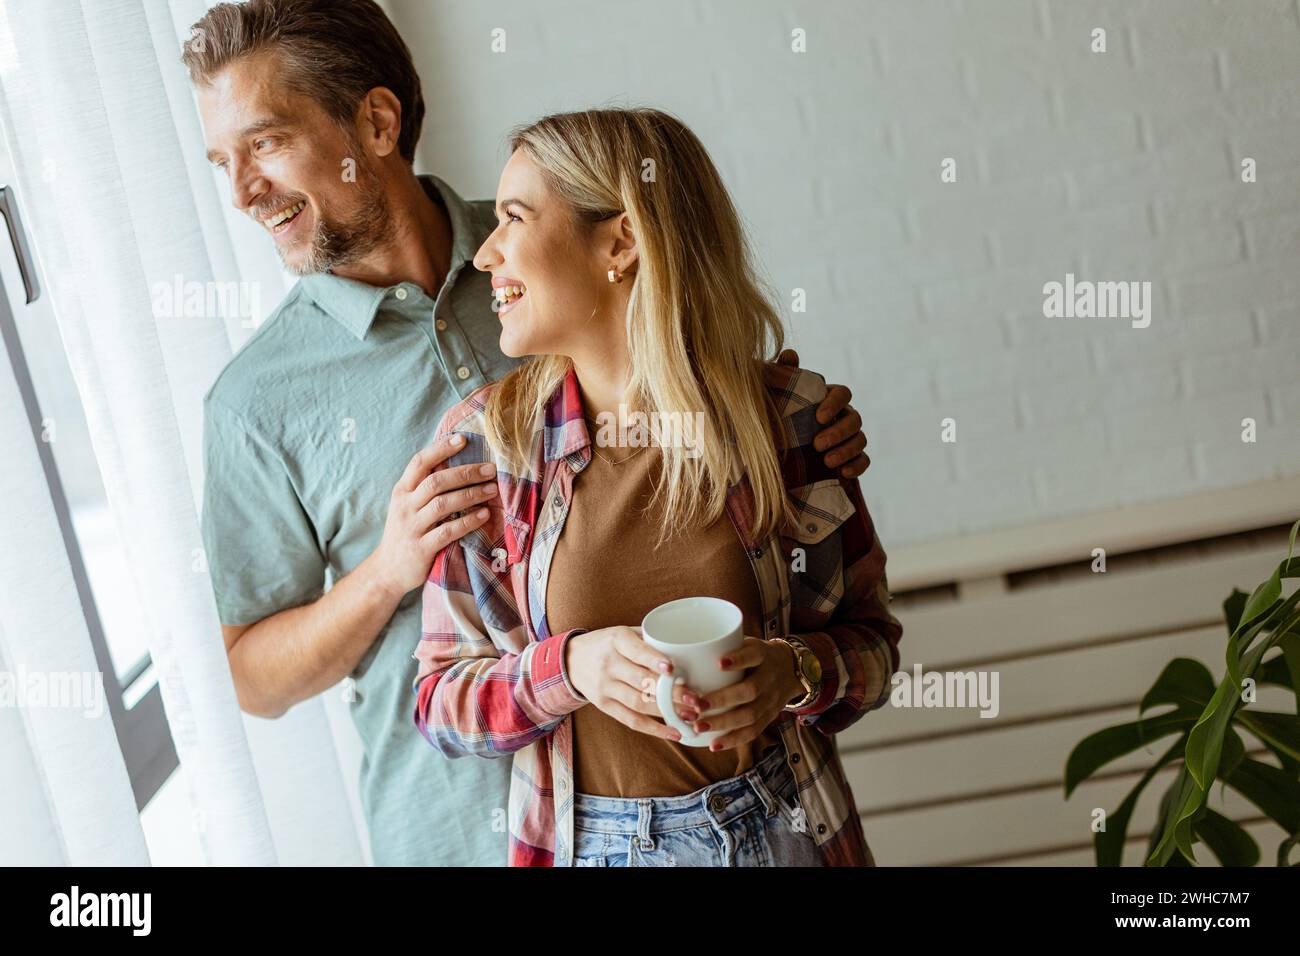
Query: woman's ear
{"type": "Point", "coordinates": [623, 249]}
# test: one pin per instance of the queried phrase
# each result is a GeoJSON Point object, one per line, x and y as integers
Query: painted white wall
{"type": "Point", "coordinates": [927, 297]}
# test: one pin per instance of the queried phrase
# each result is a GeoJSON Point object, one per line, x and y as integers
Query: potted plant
{"type": "Point", "coordinates": [1205, 720]}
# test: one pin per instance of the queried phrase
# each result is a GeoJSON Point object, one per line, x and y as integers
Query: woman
{"type": "Point", "coordinates": [619, 263]}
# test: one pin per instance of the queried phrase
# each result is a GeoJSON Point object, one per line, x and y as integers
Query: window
{"type": "Point", "coordinates": [113, 612]}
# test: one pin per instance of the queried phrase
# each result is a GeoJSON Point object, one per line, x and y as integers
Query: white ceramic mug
{"type": "Point", "coordinates": [694, 633]}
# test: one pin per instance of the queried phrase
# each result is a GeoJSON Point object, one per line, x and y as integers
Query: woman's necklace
{"type": "Point", "coordinates": [611, 460]}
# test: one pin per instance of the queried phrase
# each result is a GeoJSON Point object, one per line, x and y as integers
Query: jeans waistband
{"type": "Point", "coordinates": [717, 803]}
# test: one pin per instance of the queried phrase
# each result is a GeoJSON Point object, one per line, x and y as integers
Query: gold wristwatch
{"type": "Point", "coordinates": [807, 668]}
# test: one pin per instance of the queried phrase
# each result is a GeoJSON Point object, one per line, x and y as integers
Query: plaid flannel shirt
{"type": "Point", "coordinates": [491, 679]}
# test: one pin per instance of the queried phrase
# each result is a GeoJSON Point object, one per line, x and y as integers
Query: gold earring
{"type": "Point", "coordinates": [615, 276]}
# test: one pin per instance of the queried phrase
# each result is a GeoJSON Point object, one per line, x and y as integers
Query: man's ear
{"type": "Point", "coordinates": [379, 120]}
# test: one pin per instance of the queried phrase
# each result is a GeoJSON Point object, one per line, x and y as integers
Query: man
{"type": "Point", "coordinates": [313, 109]}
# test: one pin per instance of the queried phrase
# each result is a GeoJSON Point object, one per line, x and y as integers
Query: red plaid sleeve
{"type": "Point", "coordinates": [481, 686]}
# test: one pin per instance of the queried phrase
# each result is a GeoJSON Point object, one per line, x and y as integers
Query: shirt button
{"type": "Point", "coordinates": [811, 526]}
{"type": "Point", "coordinates": [462, 372]}
{"type": "Point", "coordinates": [440, 325]}
{"type": "Point", "coordinates": [400, 293]}
{"type": "Point", "coordinates": [537, 573]}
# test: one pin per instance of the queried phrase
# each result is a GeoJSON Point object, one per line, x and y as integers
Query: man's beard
{"type": "Point", "coordinates": [337, 242]}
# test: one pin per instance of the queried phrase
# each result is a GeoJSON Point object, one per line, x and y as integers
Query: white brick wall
{"type": "Point", "coordinates": [926, 297]}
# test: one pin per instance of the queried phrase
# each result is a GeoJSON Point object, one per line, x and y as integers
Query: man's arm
{"type": "Point", "coordinates": [300, 652]}
{"type": "Point", "coordinates": [262, 552]}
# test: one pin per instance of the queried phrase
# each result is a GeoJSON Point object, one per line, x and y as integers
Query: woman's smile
{"type": "Point", "coordinates": [506, 292]}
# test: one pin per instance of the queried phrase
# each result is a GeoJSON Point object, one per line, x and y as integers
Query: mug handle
{"type": "Point", "coordinates": [664, 697]}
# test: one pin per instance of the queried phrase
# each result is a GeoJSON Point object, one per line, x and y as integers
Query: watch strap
{"type": "Point", "coordinates": [810, 692]}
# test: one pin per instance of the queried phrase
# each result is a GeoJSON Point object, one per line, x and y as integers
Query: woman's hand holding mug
{"type": "Point", "coordinates": [618, 672]}
{"type": "Point", "coordinates": [699, 634]}
{"type": "Point", "coordinates": [753, 703]}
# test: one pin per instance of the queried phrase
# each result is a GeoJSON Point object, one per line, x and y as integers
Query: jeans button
{"type": "Point", "coordinates": [717, 803]}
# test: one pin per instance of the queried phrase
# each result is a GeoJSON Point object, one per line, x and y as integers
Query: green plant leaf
{"type": "Point", "coordinates": [1284, 851]}
{"type": "Point", "coordinates": [1181, 803]}
{"type": "Point", "coordinates": [1194, 808]}
{"type": "Point", "coordinates": [1273, 790]}
{"type": "Point", "coordinates": [1290, 644]}
{"type": "Point", "coordinates": [1275, 670]}
{"type": "Point", "coordinates": [1108, 845]}
{"type": "Point", "coordinates": [1185, 683]}
{"type": "Point", "coordinates": [1233, 605]}
{"type": "Point", "coordinates": [1213, 738]}
{"type": "Point", "coordinates": [1289, 763]}
{"type": "Point", "coordinates": [1227, 840]}
{"type": "Point", "coordinates": [1281, 731]}
{"type": "Point", "coordinates": [1261, 600]}
{"type": "Point", "coordinates": [1164, 811]}
{"type": "Point", "coordinates": [1184, 838]}
{"type": "Point", "coordinates": [1212, 749]}
{"type": "Point", "coordinates": [1250, 664]}
{"type": "Point", "coordinates": [1234, 752]}
{"type": "Point", "coordinates": [1264, 596]}
{"type": "Point", "coordinates": [1277, 621]}
{"type": "Point", "coordinates": [1205, 741]}
{"type": "Point", "coordinates": [1098, 749]}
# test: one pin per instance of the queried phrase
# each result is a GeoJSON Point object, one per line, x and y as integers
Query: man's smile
{"type": "Point", "coordinates": [282, 221]}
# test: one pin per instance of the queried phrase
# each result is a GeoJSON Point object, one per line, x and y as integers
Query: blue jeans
{"type": "Point", "coordinates": [752, 819]}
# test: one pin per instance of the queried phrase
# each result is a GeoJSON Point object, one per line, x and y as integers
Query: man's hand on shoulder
{"type": "Point", "coordinates": [843, 440]}
{"type": "Point", "coordinates": [419, 522]}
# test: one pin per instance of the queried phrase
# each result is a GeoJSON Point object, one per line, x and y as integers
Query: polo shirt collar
{"type": "Point", "coordinates": [351, 303]}
{"type": "Point", "coordinates": [354, 304]}
{"type": "Point", "coordinates": [467, 230]}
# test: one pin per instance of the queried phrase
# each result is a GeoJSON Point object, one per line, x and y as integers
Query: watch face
{"type": "Point", "coordinates": [812, 667]}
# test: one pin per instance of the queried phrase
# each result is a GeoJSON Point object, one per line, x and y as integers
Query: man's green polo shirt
{"type": "Point", "coordinates": [305, 433]}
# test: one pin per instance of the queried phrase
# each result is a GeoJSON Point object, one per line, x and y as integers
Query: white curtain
{"type": "Point", "coordinates": [66, 797]}
{"type": "Point", "coordinates": [118, 197]}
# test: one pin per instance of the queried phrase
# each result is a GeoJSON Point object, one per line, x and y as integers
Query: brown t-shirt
{"type": "Point", "coordinates": [606, 571]}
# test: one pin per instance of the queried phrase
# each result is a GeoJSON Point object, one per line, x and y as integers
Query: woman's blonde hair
{"type": "Point", "coordinates": [698, 325]}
